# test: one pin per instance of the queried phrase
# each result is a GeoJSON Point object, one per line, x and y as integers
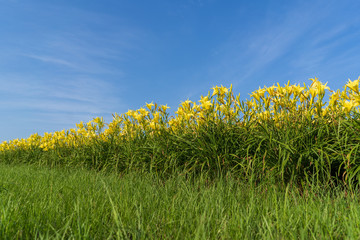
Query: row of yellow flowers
{"type": "Point", "coordinates": [269, 103]}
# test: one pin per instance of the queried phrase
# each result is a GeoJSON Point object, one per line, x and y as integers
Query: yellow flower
{"type": "Point", "coordinates": [149, 105]}
{"type": "Point", "coordinates": [267, 102]}
{"type": "Point", "coordinates": [334, 98]}
{"type": "Point", "coordinates": [348, 105]}
{"type": "Point", "coordinates": [215, 91]}
{"type": "Point", "coordinates": [195, 107]}
{"type": "Point", "coordinates": [137, 116]}
{"type": "Point", "coordinates": [353, 85]}
{"type": "Point", "coordinates": [344, 95]}
{"type": "Point", "coordinates": [223, 90]}
{"type": "Point", "coordinates": [321, 88]}
{"type": "Point", "coordinates": [130, 113]}
{"type": "Point", "coordinates": [315, 82]}
{"type": "Point", "coordinates": [222, 109]}
{"type": "Point", "coordinates": [271, 90]}
{"type": "Point", "coordinates": [280, 91]}
{"type": "Point", "coordinates": [152, 125]}
{"type": "Point", "coordinates": [188, 116]}
{"type": "Point", "coordinates": [180, 111]}
{"type": "Point", "coordinates": [313, 92]}
{"type": "Point", "coordinates": [249, 103]}
{"type": "Point", "coordinates": [297, 90]}
{"type": "Point", "coordinates": [304, 96]}
{"type": "Point", "coordinates": [80, 125]}
{"type": "Point", "coordinates": [186, 104]}
{"type": "Point", "coordinates": [207, 105]}
{"type": "Point", "coordinates": [143, 112]}
{"type": "Point", "coordinates": [205, 102]}
{"type": "Point", "coordinates": [164, 108]}
{"type": "Point", "coordinates": [156, 117]}
{"type": "Point", "coordinates": [98, 120]}
{"type": "Point", "coordinates": [255, 95]}
{"type": "Point", "coordinates": [258, 93]}
{"type": "Point", "coordinates": [219, 90]}
{"type": "Point", "coordinates": [325, 112]}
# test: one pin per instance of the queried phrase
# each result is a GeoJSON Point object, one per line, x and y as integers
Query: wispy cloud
{"type": "Point", "coordinates": [89, 54]}
{"type": "Point", "coordinates": [52, 60]}
{"type": "Point", "coordinates": [272, 41]}
{"type": "Point", "coordinates": [240, 57]}
{"type": "Point", "coordinates": [297, 42]}
{"type": "Point", "coordinates": [67, 75]}
{"type": "Point", "coordinates": [79, 93]}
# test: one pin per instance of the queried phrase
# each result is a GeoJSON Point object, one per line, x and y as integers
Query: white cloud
{"type": "Point", "coordinates": [59, 101]}
{"type": "Point", "coordinates": [81, 70]}
{"type": "Point", "coordinates": [52, 60]}
{"type": "Point", "coordinates": [87, 62]}
{"type": "Point", "coordinates": [303, 33]}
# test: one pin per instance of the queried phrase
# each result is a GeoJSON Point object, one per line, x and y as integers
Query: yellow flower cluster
{"type": "Point", "coordinates": [269, 103]}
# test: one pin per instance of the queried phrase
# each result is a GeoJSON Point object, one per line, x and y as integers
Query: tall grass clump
{"type": "Point", "coordinates": [288, 133]}
{"type": "Point", "coordinates": [70, 203]}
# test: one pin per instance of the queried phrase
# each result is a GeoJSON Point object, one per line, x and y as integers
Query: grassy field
{"type": "Point", "coordinates": [68, 203]}
{"type": "Point", "coordinates": [280, 166]}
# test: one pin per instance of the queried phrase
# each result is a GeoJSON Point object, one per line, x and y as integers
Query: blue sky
{"type": "Point", "coordinates": [62, 62]}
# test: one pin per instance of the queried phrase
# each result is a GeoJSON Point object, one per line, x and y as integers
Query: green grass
{"type": "Point", "coordinates": [72, 203]}
{"type": "Point", "coordinates": [293, 152]}
{"type": "Point", "coordinates": [222, 180]}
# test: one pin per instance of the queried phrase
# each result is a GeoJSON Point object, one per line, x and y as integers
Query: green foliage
{"type": "Point", "coordinates": [292, 153]}
{"type": "Point", "coordinates": [70, 203]}
{"type": "Point", "coordinates": [284, 133]}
